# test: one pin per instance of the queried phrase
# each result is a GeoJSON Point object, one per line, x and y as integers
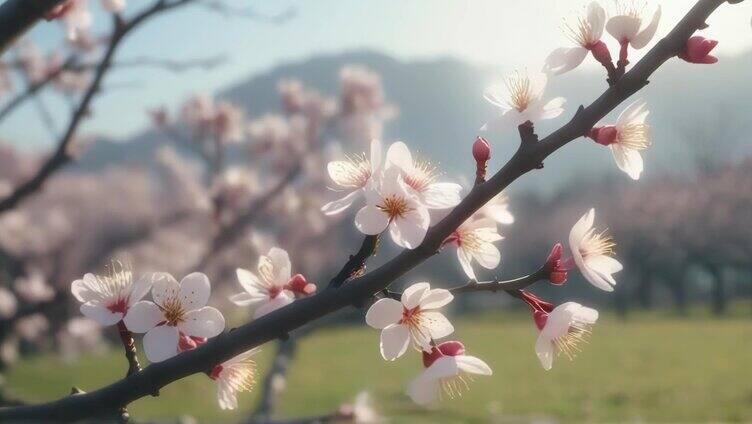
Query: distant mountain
{"type": "Point", "coordinates": [696, 114]}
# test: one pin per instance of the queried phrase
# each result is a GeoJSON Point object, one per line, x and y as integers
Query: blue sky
{"type": "Point", "coordinates": [510, 33]}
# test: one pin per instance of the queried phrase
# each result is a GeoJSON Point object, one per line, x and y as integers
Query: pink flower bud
{"type": "Point", "coordinates": [299, 285]}
{"type": "Point", "coordinates": [557, 269]}
{"type": "Point", "coordinates": [481, 150]}
{"type": "Point", "coordinates": [481, 153]}
{"type": "Point", "coordinates": [697, 50]}
{"type": "Point", "coordinates": [601, 54]}
{"type": "Point", "coordinates": [449, 348]}
{"type": "Point", "coordinates": [605, 135]}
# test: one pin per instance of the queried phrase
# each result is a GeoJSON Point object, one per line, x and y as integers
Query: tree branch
{"type": "Point", "coordinates": [305, 310]}
{"type": "Point", "coordinates": [17, 16]}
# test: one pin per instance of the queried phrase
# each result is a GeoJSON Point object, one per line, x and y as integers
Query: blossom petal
{"type": "Point", "coordinates": [399, 155]}
{"type": "Point", "coordinates": [437, 324]}
{"type": "Point", "coordinates": [140, 288]}
{"type": "Point", "coordinates": [226, 395]}
{"type": "Point", "coordinates": [375, 158]}
{"type": "Point", "coordinates": [249, 281]}
{"type": "Point", "coordinates": [436, 298]}
{"type": "Point", "coordinates": [282, 265]}
{"type": "Point", "coordinates": [623, 27]}
{"type": "Point", "coordinates": [442, 195]}
{"type": "Point", "coordinates": [247, 299]}
{"type": "Point", "coordinates": [466, 262]}
{"type": "Point", "coordinates": [100, 314]}
{"type": "Point", "coordinates": [413, 294]}
{"type": "Point", "coordinates": [564, 59]}
{"type": "Point", "coordinates": [635, 113]}
{"type": "Point", "coordinates": [394, 341]}
{"type": "Point", "coordinates": [283, 299]}
{"type": "Point", "coordinates": [487, 255]}
{"type": "Point", "coordinates": [371, 220]}
{"type": "Point", "coordinates": [445, 366]}
{"type": "Point", "coordinates": [410, 230]}
{"type": "Point", "coordinates": [423, 391]}
{"type": "Point", "coordinates": [596, 17]}
{"type": "Point", "coordinates": [337, 206]}
{"type": "Point", "coordinates": [643, 37]}
{"type": "Point", "coordinates": [473, 365]}
{"type": "Point", "coordinates": [583, 225]}
{"type": "Point", "coordinates": [341, 172]}
{"type": "Point", "coordinates": [384, 313]}
{"type": "Point", "coordinates": [545, 351]}
{"type": "Point", "coordinates": [205, 322]}
{"type": "Point", "coordinates": [142, 316]}
{"type": "Point", "coordinates": [83, 290]}
{"type": "Point", "coordinates": [628, 160]}
{"type": "Point", "coordinates": [164, 287]}
{"type": "Point", "coordinates": [195, 290]}
{"type": "Point", "coordinates": [553, 108]}
{"type": "Point", "coordinates": [161, 343]}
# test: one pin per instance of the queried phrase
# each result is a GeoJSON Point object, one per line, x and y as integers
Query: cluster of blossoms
{"type": "Point", "coordinates": [77, 17]}
{"type": "Point", "coordinates": [178, 318]}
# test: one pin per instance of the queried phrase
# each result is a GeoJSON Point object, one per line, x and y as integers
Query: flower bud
{"type": "Point", "coordinates": [299, 285]}
{"type": "Point", "coordinates": [481, 153]}
{"type": "Point", "coordinates": [697, 50]}
{"type": "Point", "coordinates": [557, 269]}
{"type": "Point", "coordinates": [449, 348]}
{"type": "Point", "coordinates": [605, 135]}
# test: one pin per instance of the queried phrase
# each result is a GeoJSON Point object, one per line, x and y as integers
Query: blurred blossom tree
{"type": "Point", "coordinates": [258, 182]}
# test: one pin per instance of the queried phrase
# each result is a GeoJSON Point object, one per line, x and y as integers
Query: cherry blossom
{"type": "Point", "coordinates": [627, 138]}
{"type": "Point", "coordinates": [520, 99]}
{"type": "Point", "coordinates": [234, 376]}
{"type": "Point", "coordinates": [77, 18]}
{"type": "Point", "coordinates": [592, 252]}
{"type": "Point", "coordinates": [630, 25]}
{"type": "Point", "coordinates": [177, 313]}
{"type": "Point", "coordinates": [413, 319]}
{"type": "Point", "coordinates": [585, 30]}
{"type": "Point", "coordinates": [447, 372]}
{"type": "Point", "coordinates": [273, 287]}
{"type": "Point", "coordinates": [108, 298]}
{"type": "Point", "coordinates": [474, 240]}
{"type": "Point", "coordinates": [353, 174]}
{"type": "Point", "coordinates": [497, 209]}
{"type": "Point", "coordinates": [391, 204]}
{"type": "Point", "coordinates": [421, 178]}
{"type": "Point", "coordinates": [563, 330]}
{"type": "Point", "coordinates": [697, 50]}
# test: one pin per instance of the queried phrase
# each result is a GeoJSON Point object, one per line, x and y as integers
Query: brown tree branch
{"type": "Point", "coordinates": [17, 16]}
{"type": "Point", "coordinates": [282, 321]}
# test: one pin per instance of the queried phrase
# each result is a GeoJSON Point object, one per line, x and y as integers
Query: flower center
{"type": "Point", "coordinates": [358, 171]}
{"type": "Point", "coordinates": [395, 206]}
{"type": "Point", "coordinates": [635, 136]}
{"type": "Point", "coordinates": [520, 91]}
{"type": "Point", "coordinates": [597, 244]}
{"type": "Point", "coordinates": [424, 175]}
{"type": "Point", "coordinates": [120, 305]}
{"type": "Point", "coordinates": [569, 343]}
{"type": "Point", "coordinates": [468, 240]}
{"type": "Point", "coordinates": [241, 376]}
{"type": "Point", "coordinates": [580, 31]}
{"type": "Point", "coordinates": [173, 311]}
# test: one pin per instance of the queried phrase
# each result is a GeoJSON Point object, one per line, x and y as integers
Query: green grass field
{"type": "Point", "coordinates": [650, 368]}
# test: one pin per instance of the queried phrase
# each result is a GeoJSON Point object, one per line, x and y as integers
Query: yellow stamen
{"type": "Point", "coordinates": [634, 136]}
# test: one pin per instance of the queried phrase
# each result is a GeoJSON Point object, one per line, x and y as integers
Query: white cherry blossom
{"type": "Point", "coordinates": [273, 287]}
{"type": "Point", "coordinates": [564, 330]}
{"type": "Point", "coordinates": [113, 5]}
{"type": "Point", "coordinates": [520, 99]}
{"type": "Point", "coordinates": [107, 298]}
{"type": "Point", "coordinates": [178, 313]}
{"type": "Point", "coordinates": [421, 178]}
{"type": "Point", "coordinates": [352, 175]}
{"type": "Point", "coordinates": [234, 376]}
{"type": "Point", "coordinates": [78, 19]}
{"type": "Point", "coordinates": [391, 204]}
{"type": "Point", "coordinates": [585, 31]}
{"type": "Point", "coordinates": [630, 24]}
{"type": "Point", "coordinates": [592, 252]}
{"type": "Point", "coordinates": [414, 320]}
{"type": "Point", "coordinates": [497, 209]}
{"type": "Point", "coordinates": [474, 241]}
{"type": "Point", "coordinates": [627, 138]}
{"type": "Point", "coordinates": [448, 371]}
